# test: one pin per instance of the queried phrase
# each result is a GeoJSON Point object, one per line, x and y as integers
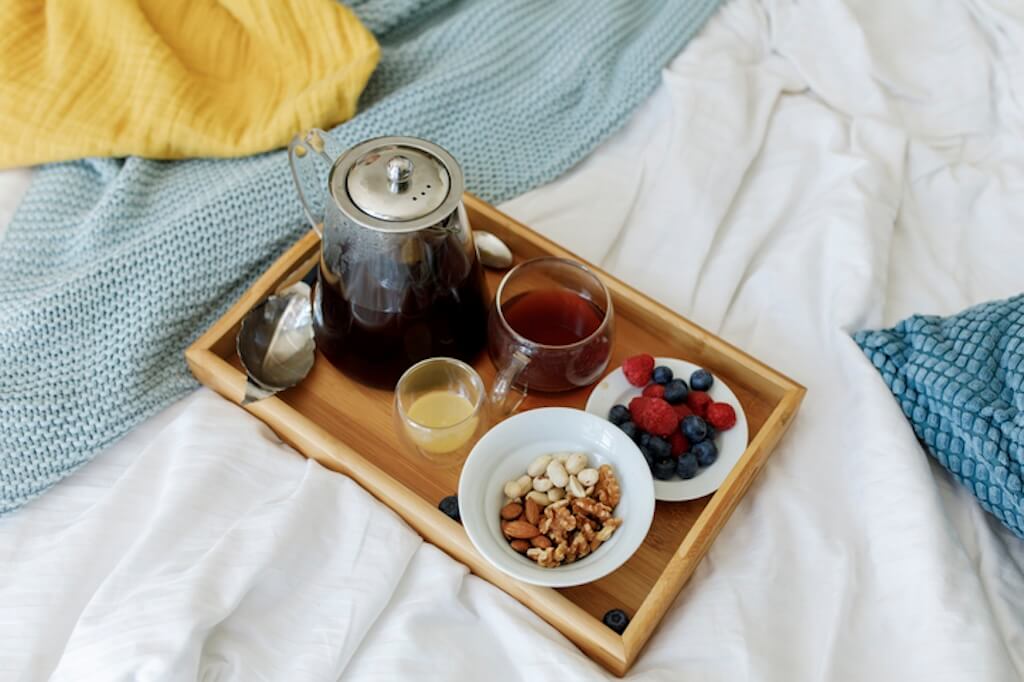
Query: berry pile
{"type": "Point", "coordinates": [673, 422]}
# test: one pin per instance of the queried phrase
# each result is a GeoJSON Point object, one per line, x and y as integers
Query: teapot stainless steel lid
{"type": "Point", "coordinates": [396, 184]}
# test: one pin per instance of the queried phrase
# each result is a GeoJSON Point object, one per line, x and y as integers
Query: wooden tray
{"type": "Point", "coordinates": [347, 427]}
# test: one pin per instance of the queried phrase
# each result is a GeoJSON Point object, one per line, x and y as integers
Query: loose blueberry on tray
{"type": "Point", "coordinates": [617, 620]}
{"type": "Point", "coordinates": [662, 375]}
{"type": "Point", "coordinates": [450, 507]}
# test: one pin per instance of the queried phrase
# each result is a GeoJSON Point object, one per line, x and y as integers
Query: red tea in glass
{"type": "Point", "coordinates": [553, 317]}
{"type": "Point", "coordinates": [551, 326]}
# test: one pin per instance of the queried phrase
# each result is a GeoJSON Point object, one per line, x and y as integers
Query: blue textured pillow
{"type": "Point", "coordinates": [960, 382]}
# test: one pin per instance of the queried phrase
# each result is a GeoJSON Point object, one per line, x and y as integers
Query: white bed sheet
{"type": "Point", "coordinates": [804, 170]}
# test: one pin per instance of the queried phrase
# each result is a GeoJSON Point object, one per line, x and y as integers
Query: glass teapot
{"type": "Point", "coordinates": [399, 278]}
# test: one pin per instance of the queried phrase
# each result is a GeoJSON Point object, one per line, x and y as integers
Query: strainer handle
{"type": "Point", "coordinates": [304, 152]}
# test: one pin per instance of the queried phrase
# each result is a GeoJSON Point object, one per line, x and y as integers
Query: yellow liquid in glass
{"type": "Point", "coordinates": [443, 413]}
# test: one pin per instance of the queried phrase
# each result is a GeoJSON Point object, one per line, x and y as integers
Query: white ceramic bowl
{"type": "Point", "coordinates": [504, 453]}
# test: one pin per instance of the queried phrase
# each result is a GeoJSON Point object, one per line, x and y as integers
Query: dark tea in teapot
{"type": "Point", "coordinates": [376, 316]}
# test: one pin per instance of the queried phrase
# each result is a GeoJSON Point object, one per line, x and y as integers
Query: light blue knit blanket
{"type": "Point", "coordinates": [111, 267]}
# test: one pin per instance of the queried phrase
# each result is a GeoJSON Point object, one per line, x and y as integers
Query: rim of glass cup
{"type": "Point", "coordinates": [474, 377]}
{"type": "Point", "coordinates": [565, 261]}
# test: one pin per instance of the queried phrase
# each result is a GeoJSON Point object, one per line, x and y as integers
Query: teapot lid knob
{"type": "Point", "coordinates": [399, 169]}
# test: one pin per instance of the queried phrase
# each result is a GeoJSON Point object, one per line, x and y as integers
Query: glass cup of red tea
{"type": "Point", "coordinates": [550, 329]}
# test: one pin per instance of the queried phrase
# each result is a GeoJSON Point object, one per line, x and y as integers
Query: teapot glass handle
{"type": "Point", "coordinates": [505, 398]}
{"type": "Point", "coordinates": [303, 151]}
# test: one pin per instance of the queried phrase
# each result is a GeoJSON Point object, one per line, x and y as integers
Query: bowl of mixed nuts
{"type": "Point", "coordinates": [556, 497]}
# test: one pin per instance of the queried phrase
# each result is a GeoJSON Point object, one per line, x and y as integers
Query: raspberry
{"type": "Point", "coordinates": [679, 443]}
{"type": "Point", "coordinates": [698, 402]}
{"type": "Point", "coordinates": [721, 416]}
{"type": "Point", "coordinates": [653, 415]}
{"type": "Point", "coordinates": [638, 369]}
{"type": "Point", "coordinates": [682, 411]}
{"type": "Point", "coordinates": [654, 391]}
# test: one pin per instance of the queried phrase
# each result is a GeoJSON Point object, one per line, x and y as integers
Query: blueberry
{"type": "Point", "coordinates": [705, 452]}
{"type": "Point", "coordinates": [694, 428]}
{"type": "Point", "coordinates": [664, 468]}
{"type": "Point", "coordinates": [675, 391]}
{"type": "Point", "coordinates": [643, 439]}
{"type": "Point", "coordinates": [619, 415]}
{"type": "Point", "coordinates": [701, 380]}
{"type": "Point", "coordinates": [648, 456]}
{"type": "Point", "coordinates": [617, 620]}
{"type": "Point", "coordinates": [712, 432]}
{"type": "Point", "coordinates": [630, 429]}
{"type": "Point", "coordinates": [686, 465]}
{"type": "Point", "coordinates": [662, 375]}
{"type": "Point", "coordinates": [450, 506]}
{"type": "Point", "coordinates": [659, 447]}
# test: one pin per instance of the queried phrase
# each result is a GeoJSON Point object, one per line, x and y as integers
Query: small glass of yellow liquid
{"type": "Point", "coordinates": [440, 408]}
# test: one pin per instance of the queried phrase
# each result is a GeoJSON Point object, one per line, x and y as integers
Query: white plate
{"type": "Point", "coordinates": [614, 389]}
{"type": "Point", "coordinates": [504, 453]}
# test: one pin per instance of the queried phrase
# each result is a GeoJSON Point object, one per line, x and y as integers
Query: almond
{"type": "Point", "coordinates": [520, 530]}
{"type": "Point", "coordinates": [512, 511]}
{"type": "Point", "coordinates": [532, 511]}
{"type": "Point", "coordinates": [540, 541]}
{"type": "Point", "coordinates": [521, 545]}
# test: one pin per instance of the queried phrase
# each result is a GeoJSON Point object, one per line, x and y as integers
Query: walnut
{"type": "Point", "coordinates": [584, 520]}
{"type": "Point", "coordinates": [579, 547]}
{"type": "Point", "coordinates": [557, 522]}
{"type": "Point", "coordinates": [585, 505]}
{"type": "Point", "coordinates": [544, 557]}
{"type": "Point", "coordinates": [607, 488]}
{"type": "Point", "coordinates": [609, 527]}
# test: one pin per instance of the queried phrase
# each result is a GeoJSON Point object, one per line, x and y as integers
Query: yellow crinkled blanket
{"type": "Point", "coordinates": [173, 78]}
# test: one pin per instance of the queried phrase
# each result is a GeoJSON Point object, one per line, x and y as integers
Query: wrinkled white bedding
{"type": "Point", "coordinates": [805, 170]}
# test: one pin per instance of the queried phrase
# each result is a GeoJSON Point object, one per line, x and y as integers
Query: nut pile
{"type": "Point", "coordinates": [561, 509]}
